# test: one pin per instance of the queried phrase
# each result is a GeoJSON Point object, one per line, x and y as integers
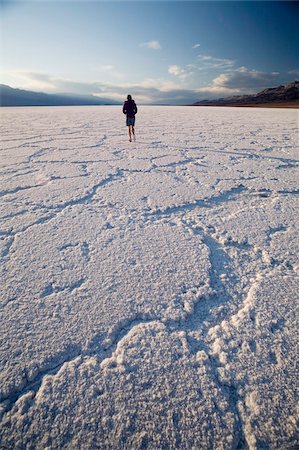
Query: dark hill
{"type": "Point", "coordinates": [284, 96]}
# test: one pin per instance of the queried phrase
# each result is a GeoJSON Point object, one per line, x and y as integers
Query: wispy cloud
{"type": "Point", "coordinates": [154, 45]}
{"type": "Point", "coordinates": [202, 63]}
{"type": "Point", "coordinates": [195, 45]}
{"type": "Point", "coordinates": [210, 62]}
{"type": "Point", "coordinates": [294, 72]}
{"type": "Point", "coordinates": [106, 67]}
{"type": "Point", "coordinates": [109, 70]}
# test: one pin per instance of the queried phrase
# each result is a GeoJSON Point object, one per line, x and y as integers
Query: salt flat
{"type": "Point", "coordinates": [149, 290]}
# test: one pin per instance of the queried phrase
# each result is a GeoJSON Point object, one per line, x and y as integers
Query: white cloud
{"type": "Point", "coordinates": [195, 45]}
{"type": "Point", "coordinates": [44, 82]}
{"type": "Point", "coordinates": [175, 70]}
{"type": "Point", "coordinates": [34, 81]}
{"type": "Point", "coordinates": [160, 84]}
{"type": "Point", "coordinates": [111, 95]}
{"type": "Point", "coordinates": [155, 45]}
{"type": "Point", "coordinates": [244, 78]}
{"type": "Point", "coordinates": [214, 91]}
{"type": "Point", "coordinates": [240, 81]}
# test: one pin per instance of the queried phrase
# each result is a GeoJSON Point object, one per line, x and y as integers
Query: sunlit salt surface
{"type": "Point", "coordinates": [149, 290]}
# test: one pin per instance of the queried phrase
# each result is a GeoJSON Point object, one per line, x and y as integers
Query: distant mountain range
{"type": "Point", "coordinates": [281, 96]}
{"type": "Point", "coordinates": [19, 97]}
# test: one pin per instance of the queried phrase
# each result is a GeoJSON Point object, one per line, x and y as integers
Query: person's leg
{"type": "Point", "coordinates": [133, 131]}
{"type": "Point", "coordinates": [130, 135]}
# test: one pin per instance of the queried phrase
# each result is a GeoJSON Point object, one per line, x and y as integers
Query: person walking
{"type": "Point", "coordinates": [130, 109]}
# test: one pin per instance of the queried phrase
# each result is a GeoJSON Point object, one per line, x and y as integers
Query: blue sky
{"type": "Point", "coordinates": [160, 52]}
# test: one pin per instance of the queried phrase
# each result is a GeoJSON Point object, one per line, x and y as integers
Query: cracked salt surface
{"type": "Point", "coordinates": [149, 290]}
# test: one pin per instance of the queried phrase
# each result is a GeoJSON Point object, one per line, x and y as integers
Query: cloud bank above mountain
{"type": "Point", "coordinates": [170, 90]}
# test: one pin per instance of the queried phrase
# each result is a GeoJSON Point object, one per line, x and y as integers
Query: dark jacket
{"type": "Point", "coordinates": [130, 108]}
